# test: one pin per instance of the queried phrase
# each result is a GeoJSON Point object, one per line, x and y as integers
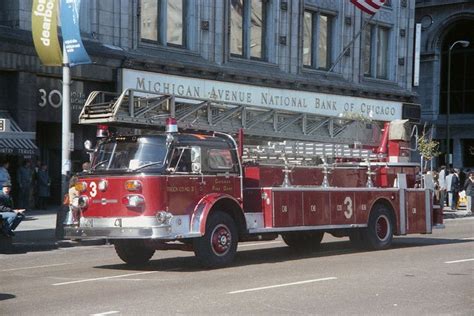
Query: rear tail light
{"type": "Point", "coordinates": [133, 200]}
{"type": "Point", "coordinates": [133, 185]}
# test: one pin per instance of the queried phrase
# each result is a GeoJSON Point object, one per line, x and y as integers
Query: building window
{"type": "Point", "coordinates": [163, 22]}
{"type": "Point", "coordinates": [468, 156]}
{"type": "Point", "coordinates": [376, 51]}
{"type": "Point", "coordinates": [317, 40]}
{"type": "Point", "coordinates": [248, 28]}
{"type": "Point", "coordinates": [461, 90]}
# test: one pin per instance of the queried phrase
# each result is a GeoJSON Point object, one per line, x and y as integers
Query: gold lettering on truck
{"type": "Point", "coordinates": [180, 189]}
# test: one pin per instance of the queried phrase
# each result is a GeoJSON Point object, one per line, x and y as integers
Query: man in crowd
{"type": "Point", "coordinates": [469, 187]}
{"type": "Point", "coordinates": [442, 186]}
{"type": "Point", "coordinates": [4, 174]}
{"type": "Point", "coordinates": [449, 178]}
{"type": "Point", "coordinates": [11, 217]}
{"type": "Point", "coordinates": [455, 188]}
{"type": "Point", "coordinates": [25, 178]}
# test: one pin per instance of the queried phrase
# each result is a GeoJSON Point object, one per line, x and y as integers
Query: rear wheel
{"type": "Point", "coordinates": [379, 232]}
{"type": "Point", "coordinates": [218, 246]}
{"type": "Point", "coordinates": [133, 251]}
{"type": "Point", "coordinates": [303, 240]}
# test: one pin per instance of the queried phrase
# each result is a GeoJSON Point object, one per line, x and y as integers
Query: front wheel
{"type": "Point", "coordinates": [218, 246]}
{"type": "Point", "coordinates": [379, 233]}
{"type": "Point", "coordinates": [133, 251]}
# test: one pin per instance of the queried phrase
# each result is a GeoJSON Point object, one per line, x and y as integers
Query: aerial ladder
{"type": "Point", "coordinates": [144, 109]}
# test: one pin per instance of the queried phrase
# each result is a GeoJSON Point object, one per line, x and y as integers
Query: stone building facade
{"type": "Point", "coordinates": [274, 43]}
{"type": "Point", "coordinates": [443, 23]}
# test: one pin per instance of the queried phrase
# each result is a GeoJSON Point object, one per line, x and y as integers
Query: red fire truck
{"type": "Point", "coordinates": [206, 191]}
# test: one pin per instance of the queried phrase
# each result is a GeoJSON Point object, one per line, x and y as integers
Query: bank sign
{"type": "Point", "coordinates": [271, 98]}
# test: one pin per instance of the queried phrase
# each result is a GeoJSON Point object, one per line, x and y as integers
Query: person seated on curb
{"type": "Point", "coordinates": [11, 217]}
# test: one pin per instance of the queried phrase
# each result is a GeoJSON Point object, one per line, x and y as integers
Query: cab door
{"type": "Point", "coordinates": [183, 186]}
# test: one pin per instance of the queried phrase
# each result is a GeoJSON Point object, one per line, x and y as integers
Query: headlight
{"type": "Point", "coordinates": [83, 201]}
{"type": "Point", "coordinates": [133, 200]}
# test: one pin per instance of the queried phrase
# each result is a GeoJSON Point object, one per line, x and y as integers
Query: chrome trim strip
{"type": "Point", "coordinates": [318, 188]}
{"type": "Point", "coordinates": [103, 222]}
{"type": "Point", "coordinates": [197, 219]}
{"type": "Point", "coordinates": [428, 210]}
{"type": "Point", "coordinates": [303, 228]}
{"type": "Point", "coordinates": [403, 213]}
{"type": "Point", "coordinates": [163, 232]}
{"type": "Point", "coordinates": [273, 208]}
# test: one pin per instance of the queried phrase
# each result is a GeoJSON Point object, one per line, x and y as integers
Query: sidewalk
{"type": "Point", "coordinates": [459, 213]}
{"type": "Point", "coordinates": [38, 231]}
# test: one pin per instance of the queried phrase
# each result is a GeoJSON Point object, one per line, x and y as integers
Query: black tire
{"type": "Point", "coordinates": [379, 232]}
{"type": "Point", "coordinates": [303, 241]}
{"type": "Point", "coordinates": [133, 251]}
{"type": "Point", "coordinates": [218, 246]}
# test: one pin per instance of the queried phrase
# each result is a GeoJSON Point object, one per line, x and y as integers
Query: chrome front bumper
{"type": "Point", "coordinates": [139, 227]}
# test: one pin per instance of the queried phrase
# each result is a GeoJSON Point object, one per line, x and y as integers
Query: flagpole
{"type": "Point", "coordinates": [66, 125]}
{"type": "Point", "coordinates": [338, 59]}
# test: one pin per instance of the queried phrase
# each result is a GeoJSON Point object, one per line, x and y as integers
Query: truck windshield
{"type": "Point", "coordinates": [131, 153]}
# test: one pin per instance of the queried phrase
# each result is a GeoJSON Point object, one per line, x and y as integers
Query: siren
{"type": "Point", "coordinates": [102, 131]}
{"type": "Point", "coordinates": [171, 125]}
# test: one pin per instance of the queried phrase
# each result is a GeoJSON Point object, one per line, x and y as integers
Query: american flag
{"type": "Point", "coordinates": [368, 6]}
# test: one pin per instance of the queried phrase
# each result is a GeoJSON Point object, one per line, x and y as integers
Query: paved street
{"type": "Point", "coordinates": [421, 274]}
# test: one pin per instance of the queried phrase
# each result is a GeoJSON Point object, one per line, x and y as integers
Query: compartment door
{"type": "Point", "coordinates": [316, 208]}
{"type": "Point", "coordinates": [287, 208]}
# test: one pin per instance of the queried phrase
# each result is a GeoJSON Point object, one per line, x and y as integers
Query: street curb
{"type": "Point", "coordinates": [459, 214]}
{"type": "Point", "coordinates": [11, 246]}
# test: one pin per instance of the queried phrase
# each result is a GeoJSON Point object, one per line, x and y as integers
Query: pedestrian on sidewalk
{"type": "Point", "coordinates": [449, 177]}
{"type": "Point", "coordinates": [469, 188]}
{"type": "Point", "coordinates": [4, 174]}
{"type": "Point", "coordinates": [11, 217]}
{"type": "Point", "coordinates": [36, 170]}
{"type": "Point", "coordinates": [455, 188]}
{"type": "Point", "coordinates": [442, 186]}
{"type": "Point", "coordinates": [25, 178]}
{"type": "Point", "coordinates": [44, 183]}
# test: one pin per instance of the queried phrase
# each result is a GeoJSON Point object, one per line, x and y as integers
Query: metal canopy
{"type": "Point", "coordinates": [13, 141]}
{"type": "Point", "coordinates": [143, 109]}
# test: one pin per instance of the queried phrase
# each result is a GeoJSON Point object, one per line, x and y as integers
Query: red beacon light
{"type": "Point", "coordinates": [171, 125]}
{"type": "Point", "coordinates": [102, 131]}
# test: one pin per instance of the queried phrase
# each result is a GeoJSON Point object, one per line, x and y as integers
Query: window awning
{"type": "Point", "coordinates": [14, 141]}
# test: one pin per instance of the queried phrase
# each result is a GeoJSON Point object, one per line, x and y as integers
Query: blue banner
{"type": "Point", "coordinates": [73, 46]}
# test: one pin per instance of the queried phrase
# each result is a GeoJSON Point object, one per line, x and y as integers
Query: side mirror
{"type": "Point", "coordinates": [196, 159]}
{"type": "Point", "coordinates": [88, 145]}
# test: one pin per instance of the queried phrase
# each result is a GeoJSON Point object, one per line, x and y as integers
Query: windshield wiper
{"type": "Point", "coordinates": [100, 163]}
{"type": "Point", "coordinates": [147, 165]}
